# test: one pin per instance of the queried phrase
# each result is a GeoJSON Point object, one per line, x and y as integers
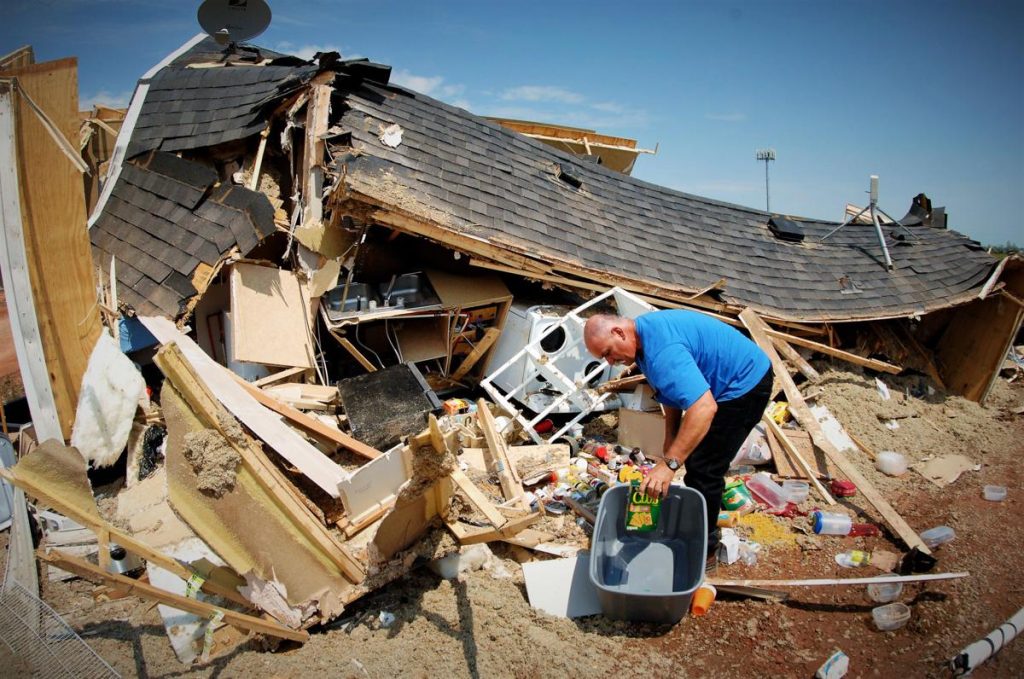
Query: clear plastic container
{"type": "Point", "coordinates": [940, 535]}
{"type": "Point", "coordinates": [893, 464]}
{"type": "Point", "coordinates": [797, 490]}
{"type": "Point", "coordinates": [826, 523]}
{"type": "Point", "coordinates": [891, 616]}
{"type": "Point", "coordinates": [855, 558]}
{"type": "Point", "coordinates": [761, 484]}
{"type": "Point", "coordinates": [883, 593]}
{"type": "Point", "coordinates": [995, 493]}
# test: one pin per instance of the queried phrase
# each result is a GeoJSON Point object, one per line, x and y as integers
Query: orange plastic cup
{"type": "Point", "coordinates": [702, 599]}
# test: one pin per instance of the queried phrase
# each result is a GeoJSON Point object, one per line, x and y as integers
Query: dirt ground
{"type": "Point", "coordinates": [482, 625]}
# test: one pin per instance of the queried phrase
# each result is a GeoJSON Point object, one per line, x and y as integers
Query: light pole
{"type": "Point", "coordinates": [766, 155]}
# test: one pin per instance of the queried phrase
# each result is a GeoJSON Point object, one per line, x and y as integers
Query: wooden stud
{"type": "Point", "coordinates": [310, 424]}
{"type": "Point", "coordinates": [805, 368]}
{"type": "Point", "coordinates": [474, 535]}
{"type": "Point", "coordinates": [249, 623]}
{"type": "Point", "coordinates": [497, 459]}
{"type": "Point", "coordinates": [780, 436]}
{"type": "Point", "coordinates": [802, 414]}
{"type": "Point", "coordinates": [356, 354]}
{"type": "Point", "coordinates": [476, 354]}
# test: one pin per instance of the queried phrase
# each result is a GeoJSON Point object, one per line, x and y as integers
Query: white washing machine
{"type": "Point", "coordinates": [563, 347]}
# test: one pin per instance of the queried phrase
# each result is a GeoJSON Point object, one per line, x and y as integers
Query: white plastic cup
{"type": "Point", "coordinates": [891, 463]}
{"type": "Point", "coordinates": [797, 490]}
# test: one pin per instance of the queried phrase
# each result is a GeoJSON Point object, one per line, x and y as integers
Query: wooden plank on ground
{"type": "Point", "coordinates": [802, 414]}
{"type": "Point", "coordinates": [242, 621]}
{"type": "Point", "coordinates": [478, 499]}
{"type": "Point", "coordinates": [785, 466]}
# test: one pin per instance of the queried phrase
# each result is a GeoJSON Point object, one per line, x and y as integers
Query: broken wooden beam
{"type": "Point", "coordinates": [498, 463]}
{"type": "Point", "coordinates": [248, 623]}
{"type": "Point", "coordinates": [805, 368]}
{"type": "Point", "coordinates": [802, 414]}
{"type": "Point", "coordinates": [474, 356]}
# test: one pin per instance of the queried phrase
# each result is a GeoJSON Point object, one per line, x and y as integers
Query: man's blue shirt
{"type": "Point", "coordinates": [685, 353]}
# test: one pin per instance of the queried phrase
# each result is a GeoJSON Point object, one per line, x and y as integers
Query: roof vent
{"type": "Point", "coordinates": [568, 175]}
{"type": "Point", "coordinates": [786, 229]}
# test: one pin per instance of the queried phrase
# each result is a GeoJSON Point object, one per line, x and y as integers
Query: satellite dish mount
{"type": "Point", "coordinates": [231, 21]}
{"type": "Point", "coordinates": [873, 209]}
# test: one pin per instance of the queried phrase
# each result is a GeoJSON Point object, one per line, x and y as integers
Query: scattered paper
{"type": "Point", "coordinates": [883, 390]}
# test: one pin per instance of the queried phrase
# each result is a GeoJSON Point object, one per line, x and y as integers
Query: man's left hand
{"type": "Point", "coordinates": [658, 480]}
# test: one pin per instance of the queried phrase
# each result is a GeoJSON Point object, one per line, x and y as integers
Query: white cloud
{"type": "Point", "coordinates": [542, 93]}
{"type": "Point", "coordinates": [432, 86]}
{"type": "Point", "coordinates": [726, 117]}
{"type": "Point", "coordinates": [307, 51]}
{"type": "Point", "coordinates": [111, 99]}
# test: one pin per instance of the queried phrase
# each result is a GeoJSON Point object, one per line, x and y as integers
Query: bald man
{"type": "Point", "coordinates": [697, 365]}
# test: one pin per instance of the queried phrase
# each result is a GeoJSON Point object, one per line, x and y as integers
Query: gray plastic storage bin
{"type": "Point", "coordinates": [649, 577]}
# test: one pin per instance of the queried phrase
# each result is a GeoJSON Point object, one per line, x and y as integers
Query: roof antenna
{"type": "Point", "coordinates": [873, 209]}
{"type": "Point", "coordinates": [229, 22]}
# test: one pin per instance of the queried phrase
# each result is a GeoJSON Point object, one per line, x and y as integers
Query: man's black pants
{"type": "Point", "coordinates": [707, 464]}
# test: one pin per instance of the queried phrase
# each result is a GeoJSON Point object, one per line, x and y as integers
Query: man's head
{"type": "Point", "coordinates": [612, 338]}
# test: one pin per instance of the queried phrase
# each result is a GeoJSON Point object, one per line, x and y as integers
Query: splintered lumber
{"type": "Point", "coordinates": [796, 359]}
{"type": "Point", "coordinates": [478, 499]}
{"type": "Point", "coordinates": [208, 410]}
{"type": "Point", "coordinates": [309, 423]}
{"type": "Point", "coordinates": [497, 458]}
{"type": "Point", "coordinates": [474, 356]}
{"type": "Point", "coordinates": [621, 384]}
{"type": "Point", "coordinates": [851, 582]}
{"type": "Point", "coordinates": [791, 450]}
{"type": "Point", "coordinates": [803, 415]}
{"type": "Point", "coordinates": [145, 590]}
{"type": "Point", "coordinates": [880, 366]}
{"type": "Point", "coordinates": [471, 535]}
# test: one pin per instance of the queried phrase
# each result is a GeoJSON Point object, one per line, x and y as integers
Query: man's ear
{"type": "Point", "coordinates": [619, 332]}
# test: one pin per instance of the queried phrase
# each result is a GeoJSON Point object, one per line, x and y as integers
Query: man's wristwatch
{"type": "Point", "coordinates": [672, 463]}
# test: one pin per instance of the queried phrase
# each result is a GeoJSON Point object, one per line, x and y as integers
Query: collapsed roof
{"type": "Point", "coordinates": [504, 199]}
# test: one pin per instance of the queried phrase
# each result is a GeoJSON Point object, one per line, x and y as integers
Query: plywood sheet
{"type": "Point", "coordinates": [463, 291]}
{"type": "Point", "coordinates": [562, 587]}
{"type": "Point", "coordinates": [423, 339]}
{"type": "Point", "coordinates": [270, 317]}
{"type": "Point", "coordinates": [643, 430]}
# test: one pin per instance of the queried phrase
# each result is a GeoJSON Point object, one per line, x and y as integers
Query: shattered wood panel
{"type": "Point", "coordinates": [245, 526]}
{"type": "Point", "coordinates": [53, 223]}
{"type": "Point", "coordinates": [975, 343]}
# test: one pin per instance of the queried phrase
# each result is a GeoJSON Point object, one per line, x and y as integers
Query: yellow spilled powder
{"type": "Point", "coordinates": [768, 530]}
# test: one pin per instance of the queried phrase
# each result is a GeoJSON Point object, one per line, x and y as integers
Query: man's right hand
{"type": "Point", "coordinates": [657, 481]}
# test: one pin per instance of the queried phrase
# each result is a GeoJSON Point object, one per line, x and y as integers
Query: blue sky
{"type": "Point", "coordinates": [927, 95]}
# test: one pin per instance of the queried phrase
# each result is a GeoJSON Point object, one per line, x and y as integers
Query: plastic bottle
{"type": "Point", "coordinates": [853, 558]}
{"type": "Point", "coordinates": [827, 523]}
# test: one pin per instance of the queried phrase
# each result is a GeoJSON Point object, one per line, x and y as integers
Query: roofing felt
{"type": "Point", "coordinates": [506, 188]}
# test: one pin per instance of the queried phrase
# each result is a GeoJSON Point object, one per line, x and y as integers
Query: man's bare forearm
{"type": "Point", "coordinates": [694, 427]}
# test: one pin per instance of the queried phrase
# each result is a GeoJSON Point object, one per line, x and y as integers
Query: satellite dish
{"type": "Point", "coordinates": [231, 21]}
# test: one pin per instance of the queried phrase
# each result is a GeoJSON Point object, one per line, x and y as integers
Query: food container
{"type": "Point", "coordinates": [885, 592]}
{"type": "Point", "coordinates": [893, 464]}
{"type": "Point", "coordinates": [797, 490]}
{"type": "Point", "coordinates": [891, 616]}
{"type": "Point", "coordinates": [995, 493]}
{"type": "Point", "coordinates": [826, 523]}
{"type": "Point", "coordinates": [762, 486]}
{"type": "Point", "coordinates": [940, 535]}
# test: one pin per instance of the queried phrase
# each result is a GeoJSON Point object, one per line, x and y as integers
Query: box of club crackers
{"type": "Point", "coordinates": [642, 510]}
